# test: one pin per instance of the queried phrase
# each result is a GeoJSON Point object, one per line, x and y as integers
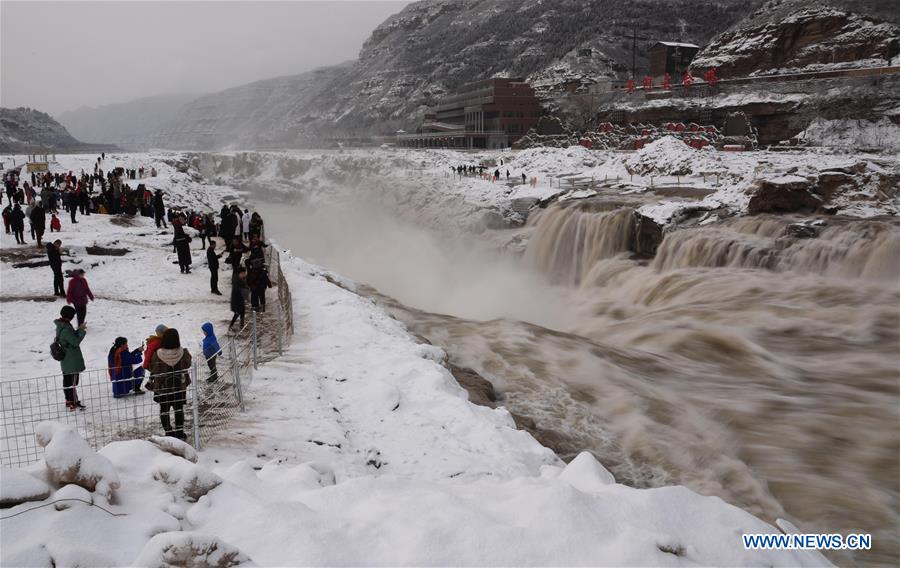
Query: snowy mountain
{"type": "Point", "coordinates": [24, 130]}
{"type": "Point", "coordinates": [791, 36]}
{"type": "Point", "coordinates": [129, 124]}
{"type": "Point", "coordinates": [428, 49]}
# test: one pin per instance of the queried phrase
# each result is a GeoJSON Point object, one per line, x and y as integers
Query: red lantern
{"type": "Point", "coordinates": [667, 81]}
{"type": "Point", "coordinates": [648, 82]}
{"type": "Point", "coordinates": [688, 79]}
{"type": "Point", "coordinates": [630, 86]}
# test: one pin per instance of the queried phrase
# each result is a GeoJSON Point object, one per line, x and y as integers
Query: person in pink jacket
{"type": "Point", "coordinates": [78, 293]}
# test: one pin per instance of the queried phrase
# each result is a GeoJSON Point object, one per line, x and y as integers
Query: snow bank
{"type": "Point", "coordinates": [190, 549]}
{"type": "Point", "coordinates": [671, 156]}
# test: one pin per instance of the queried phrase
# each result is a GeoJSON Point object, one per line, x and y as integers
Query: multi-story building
{"type": "Point", "coordinates": [492, 113]}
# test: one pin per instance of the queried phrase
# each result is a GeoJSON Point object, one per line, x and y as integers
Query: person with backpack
{"type": "Point", "coordinates": [125, 379]}
{"type": "Point", "coordinates": [78, 294]}
{"type": "Point", "coordinates": [239, 293]}
{"type": "Point", "coordinates": [169, 380]}
{"type": "Point", "coordinates": [211, 351]}
{"type": "Point", "coordinates": [66, 349]}
{"type": "Point", "coordinates": [212, 260]}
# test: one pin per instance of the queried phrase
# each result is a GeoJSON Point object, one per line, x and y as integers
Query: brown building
{"type": "Point", "coordinates": [492, 113]}
{"type": "Point", "coordinates": [670, 57]}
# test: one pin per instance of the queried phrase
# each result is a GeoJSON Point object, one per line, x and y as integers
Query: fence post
{"type": "Point", "coordinates": [255, 339]}
{"type": "Point", "coordinates": [236, 373]}
{"type": "Point", "coordinates": [196, 404]}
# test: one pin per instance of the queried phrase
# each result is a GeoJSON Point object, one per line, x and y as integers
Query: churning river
{"type": "Point", "coordinates": [742, 360]}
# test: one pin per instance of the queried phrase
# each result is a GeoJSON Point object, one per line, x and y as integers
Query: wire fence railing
{"type": "Point", "coordinates": [202, 410]}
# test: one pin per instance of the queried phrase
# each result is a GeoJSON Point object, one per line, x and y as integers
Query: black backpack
{"type": "Point", "coordinates": [57, 351]}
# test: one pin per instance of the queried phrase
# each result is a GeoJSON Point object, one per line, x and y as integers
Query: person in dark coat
{"type": "Point", "coordinates": [227, 229]}
{"type": "Point", "coordinates": [78, 294]}
{"type": "Point", "coordinates": [182, 247]}
{"type": "Point", "coordinates": [125, 379]}
{"type": "Point", "coordinates": [211, 351]}
{"type": "Point", "coordinates": [38, 222]}
{"type": "Point", "coordinates": [258, 281]}
{"type": "Point", "coordinates": [56, 265]}
{"type": "Point", "coordinates": [17, 220]}
{"type": "Point", "coordinates": [169, 381]}
{"type": "Point", "coordinates": [236, 252]}
{"type": "Point", "coordinates": [7, 219]}
{"type": "Point", "coordinates": [159, 209]}
{"type": "Point", "coordinates": [212, 259]}
{"type": "Point", "coordinates": [239, 293]}
{"type": "Point", "coordinates": [73, 362]}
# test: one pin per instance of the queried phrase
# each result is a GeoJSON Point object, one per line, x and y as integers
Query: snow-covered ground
{"type": "Point", "coordinates": [357, 445]}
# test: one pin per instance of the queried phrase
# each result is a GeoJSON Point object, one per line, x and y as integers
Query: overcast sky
{"type": "Point", "coordinates": [58, 56]}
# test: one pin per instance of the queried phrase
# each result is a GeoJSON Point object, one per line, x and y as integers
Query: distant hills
{"type": "Point", "coordinates": [25, 130]}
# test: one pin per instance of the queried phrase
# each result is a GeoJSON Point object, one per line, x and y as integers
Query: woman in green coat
{"type": "Point", "coordinates": [73, 362]}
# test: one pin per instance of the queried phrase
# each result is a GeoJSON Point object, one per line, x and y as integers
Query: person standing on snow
{"type": "Point", "coordinates": [159, 210]}
{"type": "Point", "coordinates": [38, 222]}
{"type": "Point", "coordinates": [78, 294]}
{"type": "Point", "coordinates": [72, 363]}
{"type": "Point", "coordinates": [245, 225]}
{"type": "Point", "coordinates": [211, 351]}
{"type": "Point", "coordinates": [239, 293]}
{"type": "Point", "coordinates": [182, 246]}
{"type": "Point", "coordinates": [258, 281]}
{"type": "Point", "coordinates": [169, 381]}
{"type": "Point", "coordinates": [121, 361]}
{"type": "Point", "coordinates": [17, 220]}
{"type": "Point", "coordinates": [56, 265]}
{"type": "Point", "coordinates": [212, 259]}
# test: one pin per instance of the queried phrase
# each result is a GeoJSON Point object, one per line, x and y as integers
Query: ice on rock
{"type": "Point", "coordinates": [17, 487]}
{"type": "Point", "coordinates": [586, 474]}
{"type": "Point", "coordinates": [175, 447]}
{"type": "Point", "coordinates": [69, 459]}
{"type": "Point", "coordinates": [184, 549]}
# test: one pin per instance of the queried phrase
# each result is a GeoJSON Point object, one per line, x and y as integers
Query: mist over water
{"type": "Point", "coordinates": [741, 361]}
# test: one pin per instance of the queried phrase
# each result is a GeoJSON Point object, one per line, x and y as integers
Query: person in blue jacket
{"type": "Point", "coordinates": [211, 351]}
{"type": "Point", "coordinates": [121, 360]}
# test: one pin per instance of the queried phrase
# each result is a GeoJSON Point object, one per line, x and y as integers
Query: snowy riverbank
{"type": "Point", "coordinates": [357, 446]}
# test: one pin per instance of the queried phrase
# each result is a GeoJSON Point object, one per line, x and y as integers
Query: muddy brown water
{"type": "Point", "coordinates": [740, 361]}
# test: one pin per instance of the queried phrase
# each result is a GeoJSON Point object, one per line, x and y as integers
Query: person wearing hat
{"type": "Point", "coordinates": [152, 344]}
{"type": "Point", "coordinates": [78, 294]}
{"type": "Point", "coordinates": [121, 362]}
{"type": "Point", "coordinates": [169, 381]}
{"type": "Point", "coordinates": [73, 363]}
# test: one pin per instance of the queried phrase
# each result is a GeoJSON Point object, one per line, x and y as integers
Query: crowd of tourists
{"type": "Point", "coordinates": [161, 359]}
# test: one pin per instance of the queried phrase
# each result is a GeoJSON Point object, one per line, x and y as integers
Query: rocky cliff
{"type": "Point", "coordinates": [793, 37]}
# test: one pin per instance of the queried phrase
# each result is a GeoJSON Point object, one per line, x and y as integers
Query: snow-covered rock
{"type": "Point", "coordinates": [175, 447]}
{"type": "Point", "coordinates": [71, 495]}
{"type": "Point", "coordinates": [69, 459]}
{"type": "Point", "coordinates": [17, 486]}
{"type": "Point", "coordinates": [189, 550]}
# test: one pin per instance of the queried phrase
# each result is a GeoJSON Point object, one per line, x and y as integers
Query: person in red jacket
{"type": "Point", "coordinates": [55, 225]}
{"type": "Point", "coordinates": [78, 294]}
{"type": "Point", "coordinates": [153, 344]}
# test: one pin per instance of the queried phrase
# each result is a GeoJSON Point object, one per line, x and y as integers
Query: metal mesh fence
{"type": "Point", "coordinates": [213, 397]}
